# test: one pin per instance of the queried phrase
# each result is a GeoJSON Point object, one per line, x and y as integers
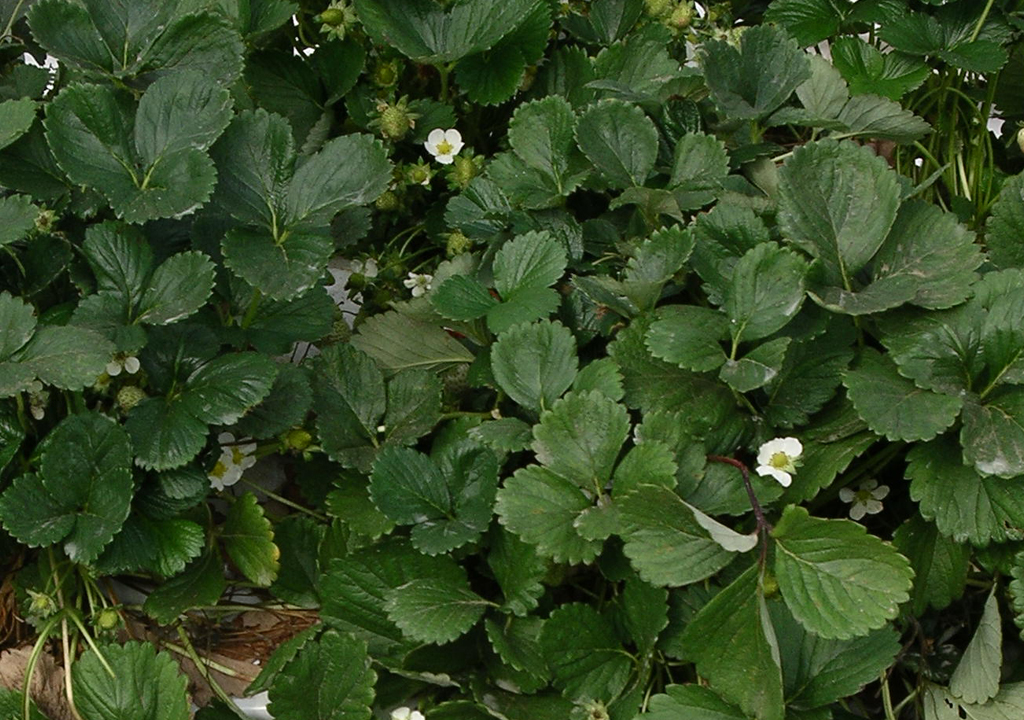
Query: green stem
{"type": "Point", "coordinates": [285, 501]}
{"type": "Point", "coordinates": [91, 643]}
{"type": "Point", "coordinates": [886, 698]}
{"type": "Point", "coordinates": [254, 305]}
{"type": "Point", "coordinates": [981, 20]}
{"type": "Point", "coordinates": [202, 666]}
{"type": "Point", "coordinates": [10, 23]}
{"type": "Point", "coordinates": [33, 660]}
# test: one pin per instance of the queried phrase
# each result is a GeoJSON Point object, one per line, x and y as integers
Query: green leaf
{"type": "Point", "coordinates": [435, 610]}
{"type": "Point", "coordinates": [700, 166]}
{"type": "Point", "coordinates": [601, 375]}
{"type": "Point", "coordinates": [82, 493]}
{"type": "Point", "coordinates": [163, 546]}
{"type": "Point", "coordinates": [146, 685]}
{"type": "Point", "coordinates": [766, 292]}
{"type": "Point", "coordinates": [66, 357]}
{"type": "Point", "coordinates": [177, 289]}
{"type": "Point", "coordinates": [1016, 588]}
{"type": "Point", "coordinates": [399, 342]}
{"type": "Point", "coordinates": [516, 642]}
{"type": "Point", "coordinates": [349, 398]}
{"type": "Point", "coordinates": [838, 201]}
{"type": "Point", "coordinates": [278, 324]}
{"type": "Point", "coordinates": [819, 671]}
{"type": "Point", "coordinates": [679, 701]}
{"type": "Point", "coordinates": [200, 584]}
{"type": "Point", "coordinates": [255, 161]}
{"type": "Point", "coordinates": [16, 117]}
{"type": "Point", "coordinates": [120, 258]}
{"type": "Point", "coordinates": [414, 405]}
{"type": "Point", "coordinates": [735, 626]}
{"type": "Point", "coordinates": [348, 171]}
{"type": "Point", "coordinates": [17, 218]}
{"type": "Point", "coordinates": [637, 69]}
{"type": "Point", "coordinates": [541, 134]}
{"type": "Point", "coordinates": [976, 678]}
{"type": "Point", "coordinates": [651, 462]}
{"type": "Point", "coordinates": [878, 117]}
{"type": "Point", "coordinates": [809, 21]}
{"type": "Point", "coordinates": [939, 704]}
{"type": "Point", "coordinates": [581, 436]}
{"type": "Point", "coordinates": [664, 539]}
{"type": "Point", "coordinates": [541, 508]}
{"type": "Point", "coordinates": [722, 236]}
{"type": "Point", "coordinates": [584, 654]}
{"type": "Point", "coordinates": [963, 504]}
{"type": "Point", "coordinates": [534, 364]}
{"type": "Point", "coordinates": [338, 666]}
{"type": "Point", "coordinates": [249, 540]}
{"type": "Point", "coordinates": [283, 408]}
{"type": "Point", "coordinates": [429, 34]}
{"type": "Point", "coordinates": [161, 128]}
{"type": "Point", "coordinates": [689, 336]}
{"type": "Point", "coordinates": [993, 433]}
{"type": "Point", "coordinates": [893, 406]}
{"type": "Point", "coordinates": [645, 612]}
{"type": "Point", "coordinates": [222, 390]}
{"type": "Point", "coordinates": [753, 81]}
{"type": "Point", "coordinates": [281, 270]}
{"type": "Point", "coordinates": [939, 351]}
{"type": "Point", "coordinates": [1006, 225]}
{"type": "Point", "coordinates": [164, 433]}
{"type": "Point", "coordinates": [940, 564]}
{"type": "Point", "coordinates": [17, 323]}
{"type": "Point", "coordinates": [461, 297]}
{"type": "Point", "coordinates": [298, 577]}
{"type": "Point", "coordinates": [864, 578]}
{"type": "Point", "coordinates": [518, 569]}
{"type": "Point", "coordinates": [620, 140]}
{"type": "Point", "coordinates": [655, 262]}
{"type": "Point", "coordinates": [758, 367]}
{"type": "Point", "coordinates": [868, 70]}
{"type": "Point", "coordinates": [533, 260]}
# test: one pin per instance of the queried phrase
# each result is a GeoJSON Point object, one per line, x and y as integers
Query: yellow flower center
{"type": "Point", "coordinates": [219, 469]}
{"type": "Point", "coordinates": [780, 461]}
{"type": "Point", "coordinates": [444, 148]}
{"type": "Point", "coordinates": [237, 456]}
{"type": "Point", "coordinates": [863, 496]}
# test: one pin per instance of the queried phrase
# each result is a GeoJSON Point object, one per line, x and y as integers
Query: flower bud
{"type": "Point", "coordinates": [388, 202]}
{"type": "Point", "coordinates": [464, 170]}
{"type": "Point", "coordinates": [457, 244]}
{"type": "Point", "coordinates": [681, 17]}
{"type": "Point", "coordinates": [658, 8]}
{"type": "Point", "coordinates": [332, 16]}
{"type": "Point", "coordinates": [1020, 139]}
{"type": "Point", "coordinates": [45, 220]}
{"type": "Point", "coordinates": [107, 619]}
{"type": "Point", "coordinates": [298, 439]}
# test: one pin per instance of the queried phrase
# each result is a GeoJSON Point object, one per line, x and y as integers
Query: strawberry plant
{"type": "Point", "coordinates": [519, 359]}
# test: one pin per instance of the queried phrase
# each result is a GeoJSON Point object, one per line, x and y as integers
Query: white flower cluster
{"type": "Point", "coordinates": [404, 713]}
{"type": "Point", "coordinates": [235, 458]}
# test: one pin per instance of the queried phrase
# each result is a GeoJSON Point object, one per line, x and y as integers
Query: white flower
{"type": "Point", "coordinates": [444, 145]}
{"type": "Point", "coordinates": [778, 458]}
{"type": "Point", "coordinates": [235, 459]}
{"type": "Point", "coordinates": [404, 713]}
{"type": "Point", "coordinates": [867, 499]}
{"type": "Point", "coordinates": [419, 284]}
{"type": "Point", "coordinates": [367, 268]}
{"type": "Point", "coordinates": [129, 363]}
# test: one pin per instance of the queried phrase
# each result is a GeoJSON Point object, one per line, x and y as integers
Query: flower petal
{"type": "Point", "coordinates": [847, 495]}
{"type": "Point", "coordinates": [881, 492]}
{"type": "Point", "coordinates": [872, 507]}
{"type": "Point", "coordinates": [436, 135]}
{"type": "Point", "coordinates": [857, 511]}
{"type": "Point", "coordinates": [791, 446]}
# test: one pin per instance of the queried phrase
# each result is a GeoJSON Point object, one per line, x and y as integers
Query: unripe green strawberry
{"type": "Point", "coordinates": [388, 202]}
{"type": "Point", "coordinates": [464, 169]}
{"type": "Point", "coordinates": [1020, 139]}
{"type": "Point", "coordinates": [333, 17]}
{"type": "Point", "coordinates": [386, 73]}
{"type": "Point", "coordinates": [395, 122]}
{"type": "Point", "coordinates": [297, 439]}
{"type": "Point", "coordinates": [107, 619]}
{"type": "Point", "coordinates": [45, 220]}
{"type": "Point", "coordinates": [129, 396]}
{"type": "Point", "coordinates": [681, 17]}
{"type": "Point", "coordinates": [457, 244]}
{"type": "Point", "coordinates": [658, 8]}
{"type": "Point", "coordinates": [770, 585]}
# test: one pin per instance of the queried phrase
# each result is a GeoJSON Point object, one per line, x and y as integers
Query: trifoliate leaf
{"type": "Point", "coordinates": [754, 80]}
{"type": "Point", "coordinates": [584, 654]}
{"type": "Point", "coordinates": [766, 292]}
{"type": "Point", "coordinates": [518, 569]}
{"type": "Point", "coordinates": [993, 433]}
{"type": "Point", "coordinates": [281, 269]}
{"type": "Point", "coordinates": [666, 543]}
{"type": "Point", "coordinates": [435, 610]}
{"type": "Point", "coordinates": [620, 140]}
{"type": "Point", "coordinates": [976, 678]}
{"type": "Point", "coordinates": [1006, 225]}
{"type": "Point", "coordinates": [868, 70]}
{"type": "Point", "coordinates": [147, 684]}
{"type": "Point", "coordinates": [940, 564]}
{"type": "Point", "coordinates": [735, 624]}
{"type": "Point", "coordinates": [338, 667]}
{"type": "Point", "coordinates": [580, 438]}
{"type": "Point", "coordinates": [82, 493]}
{"type": "Point", "coordinates": [963, 504]}
{"type": "Point", "coordinates": [865, 579]}
{"type": "Point", "coordinates": [200, 584]}
{"type": "Point", "coordinates": [689, 336]}
{"type": "Point", "coordinates": [893, 406]}
{"type": "Point", "coordinates": [541, 507]}
{"type": "Point", "coordinates": [535, 363]}
{"type": "Point", "coordinates": [143, 40]}
{"type": "Point", "coordinates": [819, 671]}
{"type": "Point", "coordinates": [837, 201]}
{"type": "Point", "coordinates": [249, 540]}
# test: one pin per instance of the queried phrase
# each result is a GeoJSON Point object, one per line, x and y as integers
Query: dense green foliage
{"type": "Point", "coordinates": [651, 299]}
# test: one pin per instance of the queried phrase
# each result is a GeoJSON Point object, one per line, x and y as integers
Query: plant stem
{"type": "Point", "coordinates": [204, 668]}
{"type": "Point", "coordinates": [981, 20]}
{"type": "Point", "coordinates": [763, 526]}
{"type": "Point", "coordinates": [285, 501]}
